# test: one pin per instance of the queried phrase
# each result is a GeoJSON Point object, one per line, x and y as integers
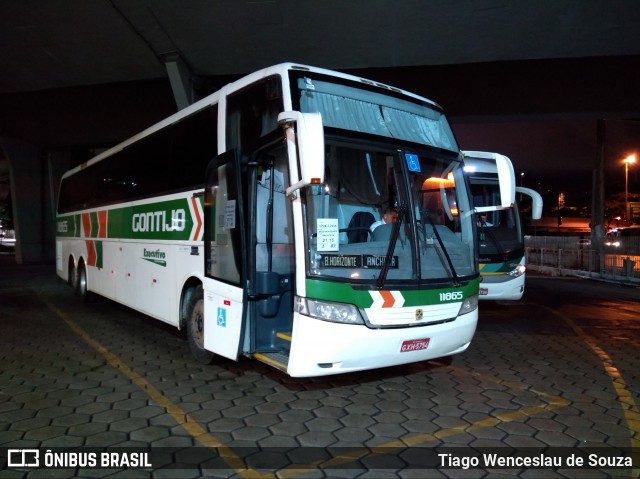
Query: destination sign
{"type": "Point", "coordinates": [366, 261]}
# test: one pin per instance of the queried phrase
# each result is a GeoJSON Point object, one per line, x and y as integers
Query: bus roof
{"type": "Point", "coordinates": [213, 98]}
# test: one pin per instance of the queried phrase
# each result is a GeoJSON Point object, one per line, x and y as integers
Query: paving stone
{"type": "Point", "coordinates": [357, 420]}
{"type": "Point", "coordinates": [226, 425]}
{"type": "Point", "coordinates": [128, 424]}
{"type": "Point", "coordinates": [106, 439]}
{"type": "Point", "coordinates": [250, 433]}
{"type": "Point", "coordinates": [556, 439]}
{"type": "Point", "coordinates": [262, 420]}
{"type": "Point", "coordinates": [316, 439]}
{"type": "Point", "coordinates": [65, 441]}
{"type": "Point", "coordinates": [88, 429]}
{"type": "Point", "coordinates": [238, 411]}
{"type": "Point", "coordinates": [53, 412]}
{"type": "Point", "coordinates": [323, 424]}
{"type": "Point", "coordinates": [586, 434]}
{"type": "Point", "coordinates": [72, 420]}
{"type": "Point", "coordinates": [45, 432]}
{"type": "Point", "coordinates": [296, 415]}
{"type": "Point", "coordinates": [93, 407]}
{"type": "Point", "coordinates": [292, 429]}
{"type": "Point", "coordinates": [30, 423]}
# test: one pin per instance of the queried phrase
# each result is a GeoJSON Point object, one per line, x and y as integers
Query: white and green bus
{"type": "Point", "coordinates": [500, 230]}
{"type": "Point", "coordinates": [246, 220]}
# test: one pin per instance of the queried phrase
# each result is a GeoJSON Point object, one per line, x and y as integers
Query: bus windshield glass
{"type": "Point", "coordinates": [499, 232]}
{"type": "Point", "coordinates": [385, 215]}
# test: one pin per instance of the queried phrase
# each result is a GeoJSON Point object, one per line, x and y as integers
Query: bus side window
{"type": "Point", "coordinates": [251, 114]}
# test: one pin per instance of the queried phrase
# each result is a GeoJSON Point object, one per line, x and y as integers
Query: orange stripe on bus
{"type": "Point", "coordinates": [389, 300]}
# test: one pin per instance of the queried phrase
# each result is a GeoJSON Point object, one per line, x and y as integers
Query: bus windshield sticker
{"type": "Point", "coordinates": [230, 215]}
{"type": "Point", "coordinates": [328, 234]}
{"type": "Point", "coordinates": [412, 162]}
{"type": "Point", "coordinates": [366, 261]}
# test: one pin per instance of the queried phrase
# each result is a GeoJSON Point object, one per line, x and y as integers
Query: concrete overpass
{"type": "Point", "coordinates": [81, 75]}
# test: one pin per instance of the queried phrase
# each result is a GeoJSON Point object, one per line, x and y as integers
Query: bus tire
{"type": "Point", "coordinates": [81, 288]}
{"type": "Point", "coordinates": [195, 327]}
{"type": "Point", "coordinates": [72, 278]}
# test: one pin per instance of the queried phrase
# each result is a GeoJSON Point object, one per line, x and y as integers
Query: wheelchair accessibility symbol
{"type": "Point", "coordinates": [413, 163]}
{"type": "Point", "coordinates": [222, 317]}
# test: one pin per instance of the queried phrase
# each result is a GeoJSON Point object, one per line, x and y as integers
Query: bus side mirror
{"type": "Point", "coordinates": [305, 138]}
{"type": "Point", "coordinates": [536, 210]}
{"type": "Point", "coordinates": [482, 161]}
{"type": "Point", "coordinates": [507, 179]}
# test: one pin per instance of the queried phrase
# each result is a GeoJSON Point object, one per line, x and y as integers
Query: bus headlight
{"type": "Point", "coordinates": [329, 311]}
{"type": "Point", "coordinates": [519, 271]}
{"type": "Point", "coordinates": [469, 305]}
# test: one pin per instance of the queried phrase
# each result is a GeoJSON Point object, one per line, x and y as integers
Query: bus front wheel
{"type": "Point", "coordinates": [195, 327]}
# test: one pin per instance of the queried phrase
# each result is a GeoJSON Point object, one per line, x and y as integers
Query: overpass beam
{"type": "Point", "coordinates": [181, 78]}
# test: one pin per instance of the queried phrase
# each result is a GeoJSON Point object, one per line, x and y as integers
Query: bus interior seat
{"type": "Point", "coordinates": [383, 233]}
{"type": "Point", "coordinates": [363, 220]}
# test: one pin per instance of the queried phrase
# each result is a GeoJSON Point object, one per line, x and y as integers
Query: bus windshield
{"type": "Point", "coordinates": [499, 232]}
{"type": "Point", "coordinates": [386, 215]}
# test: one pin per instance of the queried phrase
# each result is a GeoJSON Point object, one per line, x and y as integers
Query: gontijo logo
{"type": "Point", "coordinates": [154, 221]}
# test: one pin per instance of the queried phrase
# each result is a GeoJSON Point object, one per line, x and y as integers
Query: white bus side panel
{"type": "Point", "coordinates": [222, 318]}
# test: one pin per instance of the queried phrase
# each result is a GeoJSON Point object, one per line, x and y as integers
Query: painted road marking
{"type": "Point", "coordinates": [552, 402]}
{"type": "Point", "coordinates": [625, 398]}
{"type": "Point", "coordinates": [179, 415]}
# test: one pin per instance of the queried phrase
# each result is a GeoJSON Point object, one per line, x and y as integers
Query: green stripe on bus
{"type": "Point", "coordinates": [502, 267]}
{"type": "Point", "coordinates": [345, 293]}
{"type": "Point", "coordinates": [166, 220]}
{"type": "Point", "coordinates": [99, 262]}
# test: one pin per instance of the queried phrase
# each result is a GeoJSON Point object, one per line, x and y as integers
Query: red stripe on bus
{"type": "Point", "coordinates": [194, 202]}
{"type": "Point", "coordinates": [86, 224]}
{"type": "Point", "coordinates": [91, 253]}
{"type": "Point", "coordinates": [102, 224]}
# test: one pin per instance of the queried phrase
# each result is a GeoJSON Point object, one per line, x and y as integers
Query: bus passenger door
{"type": "Point", "coordinates": [225, 269]}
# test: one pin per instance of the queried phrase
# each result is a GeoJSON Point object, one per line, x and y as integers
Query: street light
{"type": "Point", "coordinates": [627, 161]}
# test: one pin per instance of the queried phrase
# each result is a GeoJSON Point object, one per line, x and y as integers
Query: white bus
{"type": "Point", "coordinates": [245, 218]}
{"type": "Point", "coordinates": [500, 232]}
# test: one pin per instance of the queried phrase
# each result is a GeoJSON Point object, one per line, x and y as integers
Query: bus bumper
{"type": "Point", "coordinates": [321, 348]}
{"type": "Point", "coordinates": [502, 287]}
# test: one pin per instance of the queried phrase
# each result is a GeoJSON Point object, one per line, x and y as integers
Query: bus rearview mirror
{"type": "Point", "coordinates": [305, 137]}
{"type": "Point", "coordinates": [536, 209]}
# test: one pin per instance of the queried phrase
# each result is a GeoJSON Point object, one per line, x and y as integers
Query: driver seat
{"type": "Point", "coordinates": [363, 221]}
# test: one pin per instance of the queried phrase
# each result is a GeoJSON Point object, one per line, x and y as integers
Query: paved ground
{"type": "Point", "coordinates": [547, 376]}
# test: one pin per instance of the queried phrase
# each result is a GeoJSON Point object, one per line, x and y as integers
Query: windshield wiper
{"type": "Point", "coordinates": [395, 234]}
{"type": "Point", "coordinates": [452, 269]}
{"type": "Point", "coordinates": [486, 229]}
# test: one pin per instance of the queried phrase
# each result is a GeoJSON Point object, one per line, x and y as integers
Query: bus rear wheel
{"type": "Point", "coordinates": [195, 327]}
{"type": "Point", "coordinates": [81, 287]}
{"type": "Point", "coordinates": [72, 277]}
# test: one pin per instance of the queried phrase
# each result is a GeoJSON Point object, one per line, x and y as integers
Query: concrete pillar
{"type": "Point", "coordinates": [34, 180]}
{"type": "Point", "coordinates": [25, 173]}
